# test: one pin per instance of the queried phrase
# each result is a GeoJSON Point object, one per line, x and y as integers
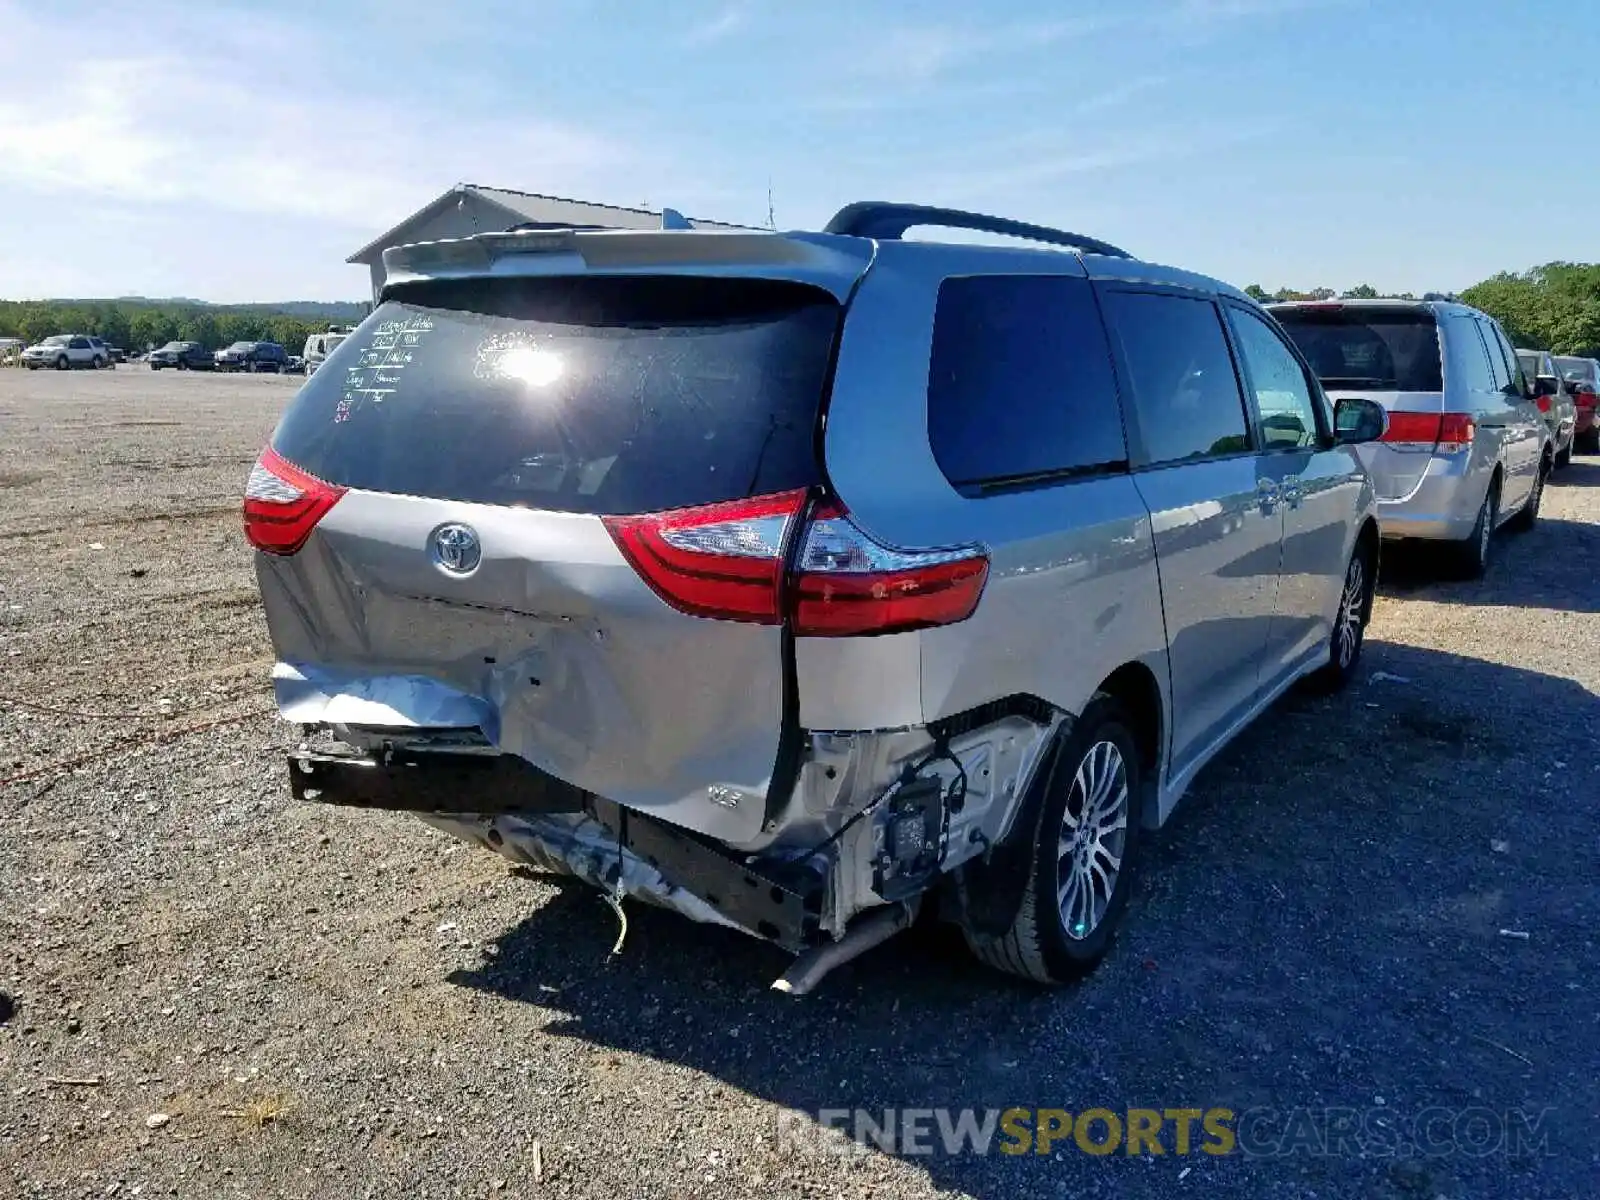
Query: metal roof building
{"type": "Point", "coordinates": [469, 208]}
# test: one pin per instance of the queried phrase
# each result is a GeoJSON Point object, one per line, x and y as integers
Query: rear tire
{"type": "Point", "coordinates": [1085, 846]}
{"type": "Point", "coordinates": [1528, 515]}
{"type": "Point", "coordinates": [1564, 458]}
{"type": "Point", "coordinates": [1589, 443]}
{"type": "Point", "coordinates": [1472, 556]}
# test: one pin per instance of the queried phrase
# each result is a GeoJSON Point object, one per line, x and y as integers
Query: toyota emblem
{"type": "Point", "coordinates": [456, 550]}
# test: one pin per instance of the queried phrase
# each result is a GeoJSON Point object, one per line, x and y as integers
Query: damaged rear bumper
{"type": "Point", "coordinates": [873, 822]}
{"type": "Point", "coordinates": [510, 806]}
{"type": "Point", "coordinates": [652, 862]}
{"type": "Point", "coordinates": [431, 782]}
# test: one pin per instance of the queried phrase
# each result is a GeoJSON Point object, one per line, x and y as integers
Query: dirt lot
{"type": "Point", "coordinates": [1385, 902]}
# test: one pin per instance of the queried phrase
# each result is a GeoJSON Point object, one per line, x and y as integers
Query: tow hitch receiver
{"type": "Point", "coordinates": [431, 782]}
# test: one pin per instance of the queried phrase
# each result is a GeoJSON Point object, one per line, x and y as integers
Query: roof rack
{"type": "Point", "coordinates": [885, 221]}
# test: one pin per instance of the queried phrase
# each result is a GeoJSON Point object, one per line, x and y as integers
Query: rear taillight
{"type": "Point", "coordinates": [722, 560]}
{"type": "Point", "coordinates": [1428, 431]}
{"type": "Point", "coordinates": [727, 561]}
{"type": "Point", "coordinates": [1413, 428]}
{"type": "Point", "coordinates": [1543, 402]}
{"type": "Point", "coordinates": [1456, 431]}
{"type": "Point", "coordinates": [282, 504]}
{"type": "Point", "coordinates": [846, 583]}
{"type": "Point", "coordinates": [1584, 396]}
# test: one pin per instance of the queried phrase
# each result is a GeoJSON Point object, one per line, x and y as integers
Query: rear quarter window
{"type": "Point", "coordinates": [1021, 389]}
{"type": "Point", "coordinates": [596, 395]}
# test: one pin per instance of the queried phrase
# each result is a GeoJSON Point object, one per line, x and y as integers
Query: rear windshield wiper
{"type": "Point", "coordinates": [1360, 380]}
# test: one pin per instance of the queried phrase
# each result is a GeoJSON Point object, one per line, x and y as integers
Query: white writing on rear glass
{"type": "Point", "coordinates": [378, 368]}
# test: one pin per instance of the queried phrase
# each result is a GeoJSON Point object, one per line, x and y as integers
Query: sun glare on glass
{"type": "Point", "coordinates": [538, 368]}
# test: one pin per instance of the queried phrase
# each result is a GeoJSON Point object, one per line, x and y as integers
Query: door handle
{"type": "Point", "coordinates": [1267, 494]}
{"type": "Point", "coordinates": [1291, 491]}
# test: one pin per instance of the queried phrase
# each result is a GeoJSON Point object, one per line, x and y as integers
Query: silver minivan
{"type": "Point", "coordinates": [1467, 448]}
{"type": "Point", "coordinates": [797, 581]}
{"type": "Point", "coordinates": [1556, 398]}
{"type": "Point", "coordinates": [319, 345]}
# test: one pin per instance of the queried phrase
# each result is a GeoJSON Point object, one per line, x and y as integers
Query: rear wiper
{"type": "Point", "coordinates": [1357, 380]}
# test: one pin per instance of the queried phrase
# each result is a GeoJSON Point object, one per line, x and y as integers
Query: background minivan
{"type": "Point", "coordinates": [1467, 447]}
{"type": "Point", "coordinates": [319, 346]}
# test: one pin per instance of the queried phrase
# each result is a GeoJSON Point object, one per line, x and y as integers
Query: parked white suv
{"type": "Point", "coordinates": [65, 351]}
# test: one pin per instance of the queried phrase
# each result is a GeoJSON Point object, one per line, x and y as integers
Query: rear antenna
{"type": "Point", "coordinates": [772, 221]}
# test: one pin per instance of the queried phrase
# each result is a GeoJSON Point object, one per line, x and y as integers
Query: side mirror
{"type": "Point", "coordinates": [1356, 421]}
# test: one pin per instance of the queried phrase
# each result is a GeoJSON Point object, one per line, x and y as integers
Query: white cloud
{"type": "Point", "coordinates": [729, 20]}
{"type": "Point", "coordinates": [1215, 12]}
{"type": "Point", "coordinates": [125, 118]}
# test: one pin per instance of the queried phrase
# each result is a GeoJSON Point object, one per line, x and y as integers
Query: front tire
{"type": "Point", "coordinates": [1085, 844]}
{"type": "Point", "coordinates": [1350, 622]}
{"type": "Point", "coordinates": [62, 364]}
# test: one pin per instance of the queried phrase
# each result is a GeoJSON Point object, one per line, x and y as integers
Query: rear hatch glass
{"type": "Point", "coordinates": [596, 395]}
{"type": "Point", "coordinates": [1385, 354]}
{"type": "Point", "coordinates": [1581, 369]}
{"type": "Point", "coordinates": [1367, 350]}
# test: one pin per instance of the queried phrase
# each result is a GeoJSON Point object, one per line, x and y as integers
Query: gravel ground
{"type": "Point", "coordinates": [210, 991]}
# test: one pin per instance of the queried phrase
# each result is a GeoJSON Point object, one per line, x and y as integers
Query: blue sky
{"type": "Point", "coordinates": [242, 151]}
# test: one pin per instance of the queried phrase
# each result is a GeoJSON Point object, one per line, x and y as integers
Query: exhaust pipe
{"type": "Point", "coordinates": [808, 969]}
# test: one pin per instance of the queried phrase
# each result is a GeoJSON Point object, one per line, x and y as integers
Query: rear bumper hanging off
{"type": "Point", "coordinates": [431, 782]}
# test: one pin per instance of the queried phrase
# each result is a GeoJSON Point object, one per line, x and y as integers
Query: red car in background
{"type": "Point", "coordinates": [1582, 375]}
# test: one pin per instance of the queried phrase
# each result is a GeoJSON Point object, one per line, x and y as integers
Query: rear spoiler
{"type": "Point", "coordinates": [831, 263]}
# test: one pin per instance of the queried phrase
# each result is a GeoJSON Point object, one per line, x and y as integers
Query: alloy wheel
{"type": "Point", "coordinates": [1094, 832]}
{"type": "Point", "coordinates": [1348, 633]}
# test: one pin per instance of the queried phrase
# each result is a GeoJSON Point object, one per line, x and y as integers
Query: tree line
{"type": "Point", "coordinates": [1555, 307]}
{"type": "Point", "coordinates": [135, 326]}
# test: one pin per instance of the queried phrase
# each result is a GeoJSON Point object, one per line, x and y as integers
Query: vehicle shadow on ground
{"type": "Point", "coordinates": [1320, 924]}
{"type": "Point", "coordinates": [1580, 472]}
{"type": "Point", "coordinates": [1550, 567]}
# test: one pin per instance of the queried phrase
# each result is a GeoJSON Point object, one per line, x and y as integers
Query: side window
{"type": "Point", "coordinates": [1020, 382]}
{"type": "Point", "coordinates": [78, 343]}
{"type": "Point", "coordinates": [1469, 353]}
{"type": "Point", "coordinates": [1185, 391]}
{"type": "Point", "coordinates": [1499, 373]}
{"type": "Point", "coordinates": [1514, 368]}
{"type": "Point", "coordinates": [1283, 396]}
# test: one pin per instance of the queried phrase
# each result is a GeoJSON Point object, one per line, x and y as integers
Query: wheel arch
{"type": "Point", "coordinates": [1369, 541]}
{"type": "Point", "coordinates": [1135, 687]}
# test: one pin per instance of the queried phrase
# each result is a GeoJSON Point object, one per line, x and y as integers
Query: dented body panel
{"type": "Point", "coordinates": [553, 647]}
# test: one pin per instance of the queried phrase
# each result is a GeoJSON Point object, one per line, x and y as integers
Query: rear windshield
{"type": "Point", "coordinates": [586, 395]}
{"type": "Point", "coordinates": [1576, 368]}
{"type": "Point", "coordinates": [1529, 362]}
{"type": "Point", "coordinates": [1372, 351]}
{"type": "Point", "coordinates": [331, 342]}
